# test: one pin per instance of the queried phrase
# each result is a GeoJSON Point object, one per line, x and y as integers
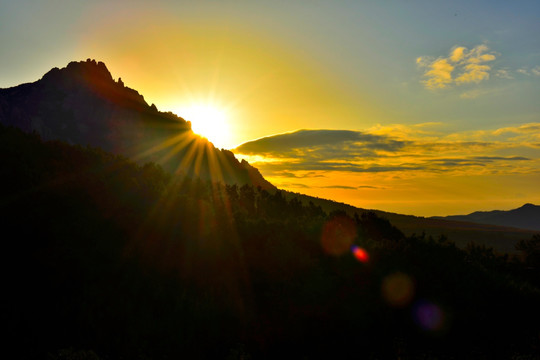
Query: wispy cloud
{"type": "Point", "coordinates": [310, 174]}
{"type": "Point", "coordinates": [294, 185]}
{"type": "Point", "coordinates": [531, 128]}
{"type": "Point", "coordinates": [370, 187]}
{"type": "Point", "coordinates": [504, 74]}
{"type": "Point", "coordinates": [344, 187]}
{"type": "Point", "coordinates": [535, 71]}
{"type": "Point", "coordinates": [495, 158]}
{"type": "Point", "coordinates": [475, 93]}
{"type": "Point", "coordinates": [472, 94]}
{"type": "Point", "coordinates": [308, 153]}
{"type": "Point", "coordinates": [461, 66]}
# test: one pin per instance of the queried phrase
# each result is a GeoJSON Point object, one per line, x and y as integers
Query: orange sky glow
{"type": "Point", "coordinates": [398, 119]}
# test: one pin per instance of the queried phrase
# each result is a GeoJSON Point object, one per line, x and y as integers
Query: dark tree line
{"type": "Point", "coordinates": [106, 259]}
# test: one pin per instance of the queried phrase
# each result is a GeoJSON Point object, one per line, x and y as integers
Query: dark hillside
{"type": "Point", "coordinates": [107, 259]}
{"type": "Point", "coordinates": [460, 231]}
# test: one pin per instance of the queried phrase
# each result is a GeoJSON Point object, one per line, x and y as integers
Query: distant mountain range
{"type": "Point", "coordinates": [525, 217]}
{"type": "Point", "coordinates": [462, 232]}
{"type": "Point", "coordinates": [82, 104]}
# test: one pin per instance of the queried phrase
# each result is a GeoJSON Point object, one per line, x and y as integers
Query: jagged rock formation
{"type": "Point", "coordinates": [83, 104]}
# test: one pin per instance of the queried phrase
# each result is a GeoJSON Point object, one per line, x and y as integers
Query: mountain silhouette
{"type": "Point", "coordinates": [525, 217]}
{"type": "Point", "coordinates": [82, 104]}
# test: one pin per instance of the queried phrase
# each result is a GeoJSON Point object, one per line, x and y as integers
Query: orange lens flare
{"type": "Point", "coordinates": [398, 289]}
{"type": "Point", "coordinates": [338, 235]}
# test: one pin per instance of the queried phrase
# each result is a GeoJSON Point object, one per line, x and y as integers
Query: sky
{"type": "Point", "coordinates": [416, 107]}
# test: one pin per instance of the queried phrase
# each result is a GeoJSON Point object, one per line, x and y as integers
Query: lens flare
{"type": "Point", "coordinates": [360, 254]}
{"type": "Point", "coordinates": [428, 316]}
{"type": "Point", "coordinates": [338, 235]}
{"type": "Point", "coordinates": [398, 289]}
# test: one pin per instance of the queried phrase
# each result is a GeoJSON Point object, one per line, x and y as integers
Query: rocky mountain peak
{"type": "Point", "coordinates": [93, 76]}
{"type": "Point", "coordinates": [83, 104]}
{"type": "Point", "coordinates": [87, 71]}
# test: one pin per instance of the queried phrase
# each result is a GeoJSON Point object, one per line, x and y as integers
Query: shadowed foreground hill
{"type": "Point", "coordinates": [82, 104]}
{"type": "Point", "coordinates": [106, 259]}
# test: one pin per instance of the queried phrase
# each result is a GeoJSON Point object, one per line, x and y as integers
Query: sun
{"type": "Point", "coordinates": [210, 122]}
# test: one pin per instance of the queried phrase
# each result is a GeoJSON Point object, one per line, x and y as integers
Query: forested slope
{"type": "Point", "coordinates": [106, 259]}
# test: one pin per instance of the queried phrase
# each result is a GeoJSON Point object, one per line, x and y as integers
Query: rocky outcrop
{"type": "Point", "coordinates": [83, 104]}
